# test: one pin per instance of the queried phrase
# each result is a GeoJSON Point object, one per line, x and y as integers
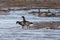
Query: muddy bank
{"type": "Point", "coordinates": [48, 25]}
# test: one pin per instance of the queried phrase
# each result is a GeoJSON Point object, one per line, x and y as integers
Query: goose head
{"type": "Point", "coordinates": [20, 23]}
{"type": "Point", "coordinates": [23, 17]}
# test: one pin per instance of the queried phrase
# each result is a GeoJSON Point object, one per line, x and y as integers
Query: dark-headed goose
{"type": "Point", "coordinates": [24, 23]}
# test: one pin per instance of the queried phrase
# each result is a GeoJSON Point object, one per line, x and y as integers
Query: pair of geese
{"type": "Point", "coordinates": [24, 22]}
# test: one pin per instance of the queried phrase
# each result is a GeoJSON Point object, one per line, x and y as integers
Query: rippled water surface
{"type": "Point", "coordinates": [9, 30]}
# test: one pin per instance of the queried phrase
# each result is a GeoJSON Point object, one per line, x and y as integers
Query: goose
{"type": "Point", "coordinates": [50, 14]}
{"type": "Point", "coordinates": [24, 23]}
{"type": "Point", "coordinates": [42, 14]}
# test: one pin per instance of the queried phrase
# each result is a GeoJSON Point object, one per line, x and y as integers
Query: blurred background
{"type": "Point", "coordinates": [44, 14]}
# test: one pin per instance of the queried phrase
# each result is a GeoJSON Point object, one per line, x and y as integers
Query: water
{"type": "Point", "coordinates": [9, 30]}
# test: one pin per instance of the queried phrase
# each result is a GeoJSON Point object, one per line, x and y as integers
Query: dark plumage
{"type": "Point", "coordinates": [24, 22]}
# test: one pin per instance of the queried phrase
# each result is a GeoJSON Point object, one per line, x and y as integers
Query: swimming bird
{"type": "Point", "coordinates": [24, 23]}
{"type": "Point", "coordinates": [50, 14]}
